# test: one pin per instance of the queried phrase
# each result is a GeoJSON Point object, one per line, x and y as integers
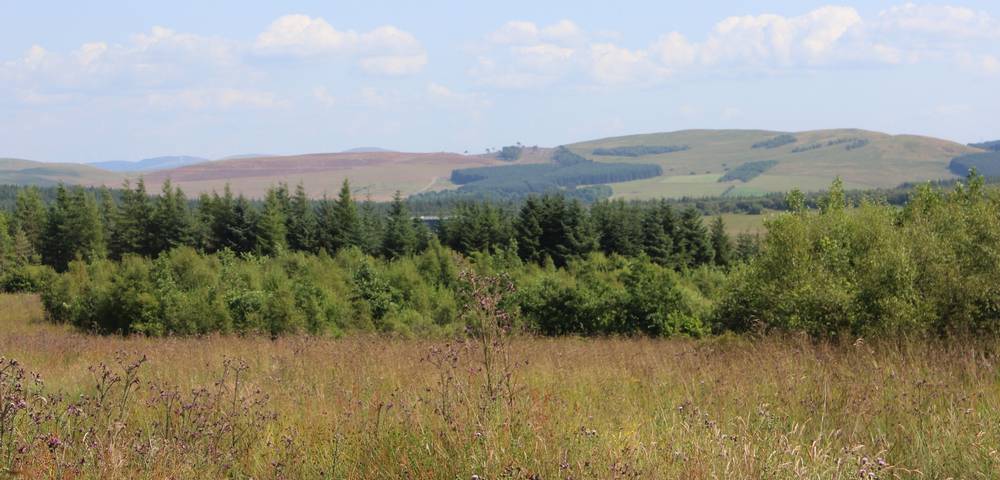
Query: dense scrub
{"type": "Point", "coordinates": [640, 150]}
{"type": "Point", "coordinates": [184, 293]}
{"type": "Point", "coordinates": [748, 171]}
{"type": "Point", "coordinates": [930, 268]}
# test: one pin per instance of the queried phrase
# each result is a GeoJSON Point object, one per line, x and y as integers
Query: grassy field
{"type": "Point", "coordinates": [737, 223]}
{"type": "Point", "coordinates": [573, 408]}
{"type": "Point", "coordinates": [884, 161]}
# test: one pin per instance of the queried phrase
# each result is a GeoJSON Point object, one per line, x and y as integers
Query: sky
{"type": "Point", "coordinates": [124, 80]}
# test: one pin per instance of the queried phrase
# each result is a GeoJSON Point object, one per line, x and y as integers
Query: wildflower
{"type": "Point", "coordinates": [54, 442]}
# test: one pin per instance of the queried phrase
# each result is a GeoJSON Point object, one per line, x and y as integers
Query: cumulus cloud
{"type": "Point", "coordinates": [386, 50]}
{"type": "Point", "coordinates": [160, 57]}
{"type": "Point", "coordinates": [444, 96]}
{"type": "Point", "coordinates": [222, 98]}
{"type": "Point", "coordinates": [524, 54]}
{"type": "Point", "coordinates": [324, 97]}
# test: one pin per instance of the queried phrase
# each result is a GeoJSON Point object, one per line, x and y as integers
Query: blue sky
{"type": "Point", "coordinates": [90, 81]}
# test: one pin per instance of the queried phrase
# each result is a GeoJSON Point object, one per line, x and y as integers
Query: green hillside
{"type": "Point", "coordinates": [27, 172]}
{"type": "Point", "coordinates": [863, 159]}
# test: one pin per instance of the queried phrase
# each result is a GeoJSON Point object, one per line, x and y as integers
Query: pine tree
{"type": "Point", "coordinates": [659, 232]}
{"type": "Point", "coordinates": [722, 246]}
{"type": "Point", "coordinates": [171, 222]}
{"type": "Point", "coordinates": [347, 223]}
{"type": "Point", "coordinates": [30, 217]}
{"type": "Point", "coordinates": [84, 228]}
{"type": "Point", "coordinates": [73, 229]}
{"type": "Point", "coordinates": [217, 214]}
{"type": "Point", "coordinates": [272, 236]}
{"type": "Point", "coordinates": [55, 249]}
{"type": "Point", "coordinates": [301, 222]}
{"type": "Point", "coordinates": [243, 230]}
{"type": "Point", "coordinates": [618, 227]}
{"type": "Point", "coordinates": [372, 228]}
{"type": "Point", "coordinates": [528, 230]}
{"type": "Point", "coordinates": [400, 238]}
{"type": "Point", "coordinates": [133, 231]}
{"type": "Point", "coordinates": [695, 246]}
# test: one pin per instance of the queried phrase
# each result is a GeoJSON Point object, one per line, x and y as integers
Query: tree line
{"type": "Point", "coordinates": [839, 268]}
{"type": "Point", "coordinates": [640, 150]}
{"type": "Point", "coordinates": [90, 225]}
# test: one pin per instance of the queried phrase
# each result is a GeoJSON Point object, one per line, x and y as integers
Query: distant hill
{"type": "Point", "coordinates": [149, 164]}
{"type": "Point", "coordinates": [378, 174]}
{"type": "Point", "coordinates": [27, 172]}
{"type": "Point", "coordinates": [246, 155]}
{"type": "Point", "coordinates": [807, 160]}
{"type": "Point", "coordinates": [694, 163]}
{"type": "Point", "coordinates": [367, 150]}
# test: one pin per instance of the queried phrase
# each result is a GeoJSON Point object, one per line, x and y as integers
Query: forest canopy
{"type": "Point", "coordinates": [748, 171]}
{"type": "Point", "coordinates": [986, 164]}
{"type": "Point", "coordinates": [639, 150]}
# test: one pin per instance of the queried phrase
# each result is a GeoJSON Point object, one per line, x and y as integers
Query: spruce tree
{"type": "Point", "coordinates": [528, 230]}
{"type": "Point", "coordinates": [30, 217]}
{"type": "Point", "coordinates": [272, 236]}
{"type": "Point", "coordinates": [400, 238]}
{"type": "Point", "coordinates": [301, 222]}
{"type": "Point", "coordinates": [722, 246]}
{"type": "Point", "coordinates": [171, 222]}
{"type": "Point", "coordinates": [347, 222]}
{"type": "Point", "coordinates": [133, 231]}
{"type": "Point", "coordinates": [694, 242]}
{"type": "Point", "coordinates": [372, 228]}
{"type": "Point", "coordinates": [55, 247]}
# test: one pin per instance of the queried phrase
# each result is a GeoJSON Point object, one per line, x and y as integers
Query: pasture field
{"type": "Point", "coordinates": [373, 407]}
{"type": "Point", "coordinates": [882, 161]}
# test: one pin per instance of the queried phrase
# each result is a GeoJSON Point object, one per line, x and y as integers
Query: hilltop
{"type": "Point", "coordinates": [27, 172]}
{"type": "Point", "coordinates": [378, 174]}
{"type": "Point", "coordinates": [149, 164]}
{"type": "Point", "coordinates": [806, 160]}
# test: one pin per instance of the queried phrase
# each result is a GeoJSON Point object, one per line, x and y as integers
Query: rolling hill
{"type": "Point", "coordinates": [806, 160]}
{"type": "Point", "coordinates": [27, 172]}
{"type": "Point", "coordinates": [694, 163]}
{"type": "Point", "coordinates": [149, 164]}
{"type": "Point", "coordinates": [378, 174]}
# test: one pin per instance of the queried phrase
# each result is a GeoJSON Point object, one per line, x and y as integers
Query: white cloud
{"type": "Point", "coordinates": [206, 99]}
{"type": "Point", "coordinates": [386, 50]}
{"type": "Point", "coordinates": [324, 97]}
{"type": "Point", "coordinates": [610, 64]}
{"type": "Point", "coordinates": [394, 64]}
{"type": "Point", "coordinates": [304, 35]}
{"type": "Point", "coordinates": [938, 20]}
{"type": "Point", "coordinates": [445, 96]}
{"type": "Point", "coordinates": [525, 55]}
{"type": "Point", "coordinates": [157, 58]}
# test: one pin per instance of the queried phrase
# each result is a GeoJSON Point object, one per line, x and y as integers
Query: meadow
{"type": "Point", "coordinates": [379, 407]}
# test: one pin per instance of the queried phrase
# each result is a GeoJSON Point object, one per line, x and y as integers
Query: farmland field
{"type": "Point", "coordinates": [375, 407]}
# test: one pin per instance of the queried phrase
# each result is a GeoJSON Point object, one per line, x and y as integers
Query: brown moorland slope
{"type": "Point", "coordinates": [378, 174]}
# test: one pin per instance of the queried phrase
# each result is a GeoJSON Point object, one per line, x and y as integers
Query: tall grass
{"type": "Point", "coordinates": [375, 407]}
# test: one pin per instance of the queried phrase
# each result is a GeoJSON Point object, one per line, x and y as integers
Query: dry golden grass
{"type": "Point", "coordinates": [581, 408]}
